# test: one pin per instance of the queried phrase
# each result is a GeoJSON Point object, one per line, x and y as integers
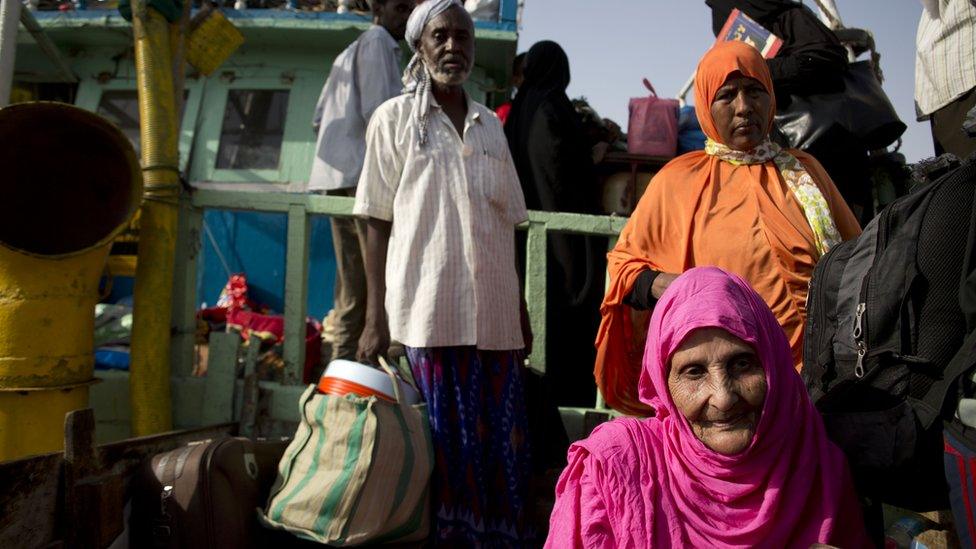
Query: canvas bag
{"type": "Point", "coordinates": [652, 128]}
{"type": "Point", "coordinates": [356, 472]}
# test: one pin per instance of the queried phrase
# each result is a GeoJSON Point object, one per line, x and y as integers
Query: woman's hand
{"type": "Point", "coordinates": [661, 283]}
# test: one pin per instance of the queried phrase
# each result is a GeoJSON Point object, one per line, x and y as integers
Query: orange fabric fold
{"type": "Point", "coordinates": [702, 211]}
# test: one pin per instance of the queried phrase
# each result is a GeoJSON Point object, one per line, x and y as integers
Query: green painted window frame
{"type": "Point", "coordinates": [293, 143]}
{"type": "Point", "coordinates": [90, 95]}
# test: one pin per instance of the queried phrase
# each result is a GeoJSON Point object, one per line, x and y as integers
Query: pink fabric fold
{"type": "Point", "coordinates": [652, 483]}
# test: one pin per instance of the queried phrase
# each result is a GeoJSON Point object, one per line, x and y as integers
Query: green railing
{"type": "Point", "coordinates": [299, 208]}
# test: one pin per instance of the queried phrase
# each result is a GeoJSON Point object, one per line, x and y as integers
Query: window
{"type": "Point", "coordinates": [122, 108]}
{"type": "Point", "coordinates": [253, 129]}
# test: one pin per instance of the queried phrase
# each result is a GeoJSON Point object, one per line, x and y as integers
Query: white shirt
{"type": "Point", "coordinates": [364, 75]}
{"type": "Point", "coordinates": [945, 57]}
{"type": "Point", "coordinates": [450, 268]}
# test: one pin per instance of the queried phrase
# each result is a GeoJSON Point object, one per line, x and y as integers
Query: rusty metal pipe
{"type": "Point", "coordinates": [149, 383]}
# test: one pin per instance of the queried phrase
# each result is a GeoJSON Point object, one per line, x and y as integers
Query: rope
{"type": "Point", "coordinates": [167, 193]}
{"type": "Point", "coordinates": [213, 242]}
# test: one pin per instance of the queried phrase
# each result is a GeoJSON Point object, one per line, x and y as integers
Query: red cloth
{"type": "Point", "coordinates": [238, 311]}
{"type": "Point", "coordinates": [272, 328]}
{"type": "Point", "coordinates": [503, 111]}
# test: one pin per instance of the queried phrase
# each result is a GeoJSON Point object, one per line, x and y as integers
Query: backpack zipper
{"type": "Point", "coordinates": [862, 347]}
{"type": "Point", "coordinates": [860, 331]}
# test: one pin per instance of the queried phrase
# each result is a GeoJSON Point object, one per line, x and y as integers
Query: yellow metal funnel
{"type": "Point", "coordinates": [70, 182]}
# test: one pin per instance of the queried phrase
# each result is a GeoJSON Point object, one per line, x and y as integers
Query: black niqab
{"type": "Point", "coordinates": [545, 79]}
{"type": "Point", "coordinates": [553, 157]}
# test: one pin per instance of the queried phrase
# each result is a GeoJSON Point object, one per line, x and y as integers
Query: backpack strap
{"type": "Point", "coordinates": [929, 408]}
{"type": "Point", "coordinates": [967, 293]}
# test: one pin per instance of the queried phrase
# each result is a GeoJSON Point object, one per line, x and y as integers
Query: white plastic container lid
{"type": "Point", "coordinates": [371, 377]}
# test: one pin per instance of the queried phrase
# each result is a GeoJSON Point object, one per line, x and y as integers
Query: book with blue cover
{"type": "Point", "coordinates": [743, 28]}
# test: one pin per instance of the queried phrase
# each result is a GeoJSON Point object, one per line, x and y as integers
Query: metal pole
{"type": "Point", "coordinates": [47, 46]}
{"type": "Point", "coordinates": [149, 375]}
{"type": "Point", "coordinates": [829, 14]}
{"type": "Point", "coordinates": [9, 22]}
{"type": "Point", "coordinates": [683, 92]}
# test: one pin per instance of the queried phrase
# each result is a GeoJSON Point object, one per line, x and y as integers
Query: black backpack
{"type": "Point", "coordinates": [883, 326]}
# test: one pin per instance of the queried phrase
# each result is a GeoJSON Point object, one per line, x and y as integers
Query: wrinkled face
{"type": "Point", "coordinates": [447, 46]}
{"type": "Point", "coordinates": [392, 15]}
{"type": "Point", "coordinates": [740, 112]}
{"type": "Point", "coordinates": [717, 383]}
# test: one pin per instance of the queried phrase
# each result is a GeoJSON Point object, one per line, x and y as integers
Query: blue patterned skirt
{"type": "Point", "coordinates": [479, 429]}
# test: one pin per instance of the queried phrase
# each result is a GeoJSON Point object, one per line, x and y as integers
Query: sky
{"type": "Point", "coordinates": [613, 44]}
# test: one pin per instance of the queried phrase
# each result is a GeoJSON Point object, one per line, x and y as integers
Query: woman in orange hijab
{"type": "Point", "coordinates": [743, 204]}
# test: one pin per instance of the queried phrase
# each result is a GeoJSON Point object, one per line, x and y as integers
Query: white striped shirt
{"type": "Point", "coordinates": [450, 268]}
{"type": "Point", "coordinates": [363, 76]}
{"type": "Point", "coordinates": [945, 57]}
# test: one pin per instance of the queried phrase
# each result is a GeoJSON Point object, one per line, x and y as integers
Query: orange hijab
{"type": "Point", "coordinates": [700, 210]}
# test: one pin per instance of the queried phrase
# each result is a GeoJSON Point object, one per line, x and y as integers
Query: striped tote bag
{"type": "Point", "coordinates": [357, 472]}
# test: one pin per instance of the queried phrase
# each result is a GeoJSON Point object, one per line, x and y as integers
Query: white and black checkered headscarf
{"type": "Point", "coordinates": [416, 77]}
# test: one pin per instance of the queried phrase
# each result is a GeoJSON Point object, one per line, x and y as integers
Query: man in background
{"type": "Point", "coordinates": [945, 72]}
{"type": "Point", "coordinates": [364, 75]}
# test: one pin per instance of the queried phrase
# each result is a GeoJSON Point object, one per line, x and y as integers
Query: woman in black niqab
{"type": "Point", "coordinates": [554, 162]}
{"type": "Point", "coordinates": [553, 159]}
{"type": "Point", "coordinates": [546, 136]}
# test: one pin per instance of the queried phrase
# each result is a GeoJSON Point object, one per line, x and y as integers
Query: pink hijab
{"type": "Point", "coordinates": [652, 483]}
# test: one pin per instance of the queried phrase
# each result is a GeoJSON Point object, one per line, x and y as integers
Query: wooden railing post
{"type": "Point", "coordinates": [296, 293]}
{"type": "Point", "coordinates": [189, 242]}
{"type": "Point", "coordinates": [535, 293]}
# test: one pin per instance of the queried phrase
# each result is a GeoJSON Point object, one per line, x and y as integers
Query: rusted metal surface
{"type": "Point", "coordinates": [29, 503]}
{"type": "Point", "coordinates": [251, 394]}
{"type": "Point", "coordinates": [93, 500]}
{"type": "Point", "coordinates": [75, 499]}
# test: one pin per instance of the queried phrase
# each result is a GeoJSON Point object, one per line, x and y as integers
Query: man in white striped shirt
{"type": "Point", "coordinates": [945, 72]}
{"type": "Point", "coordinates": [363, 76]}
{"type": "Point", "coordinates": [442, 199]}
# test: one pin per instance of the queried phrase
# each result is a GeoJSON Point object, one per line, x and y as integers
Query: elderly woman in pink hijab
{"type": "Point", "coordinates": [735, 455]}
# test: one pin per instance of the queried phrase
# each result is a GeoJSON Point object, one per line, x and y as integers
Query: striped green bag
{"type": "Point", "coordinates": [357, 472]}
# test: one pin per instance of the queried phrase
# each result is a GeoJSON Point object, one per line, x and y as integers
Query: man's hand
{"type": "Point", "coordinates": [374, 342]}
{"type": "Point", "coordinates": [527, 336]}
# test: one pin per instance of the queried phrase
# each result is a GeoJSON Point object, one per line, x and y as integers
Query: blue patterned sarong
{"type": "Point", "coordinates": [481, 449]}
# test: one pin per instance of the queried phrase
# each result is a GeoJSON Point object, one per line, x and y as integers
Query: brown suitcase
{"type": "Point", "coordinates": [205, 494]}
